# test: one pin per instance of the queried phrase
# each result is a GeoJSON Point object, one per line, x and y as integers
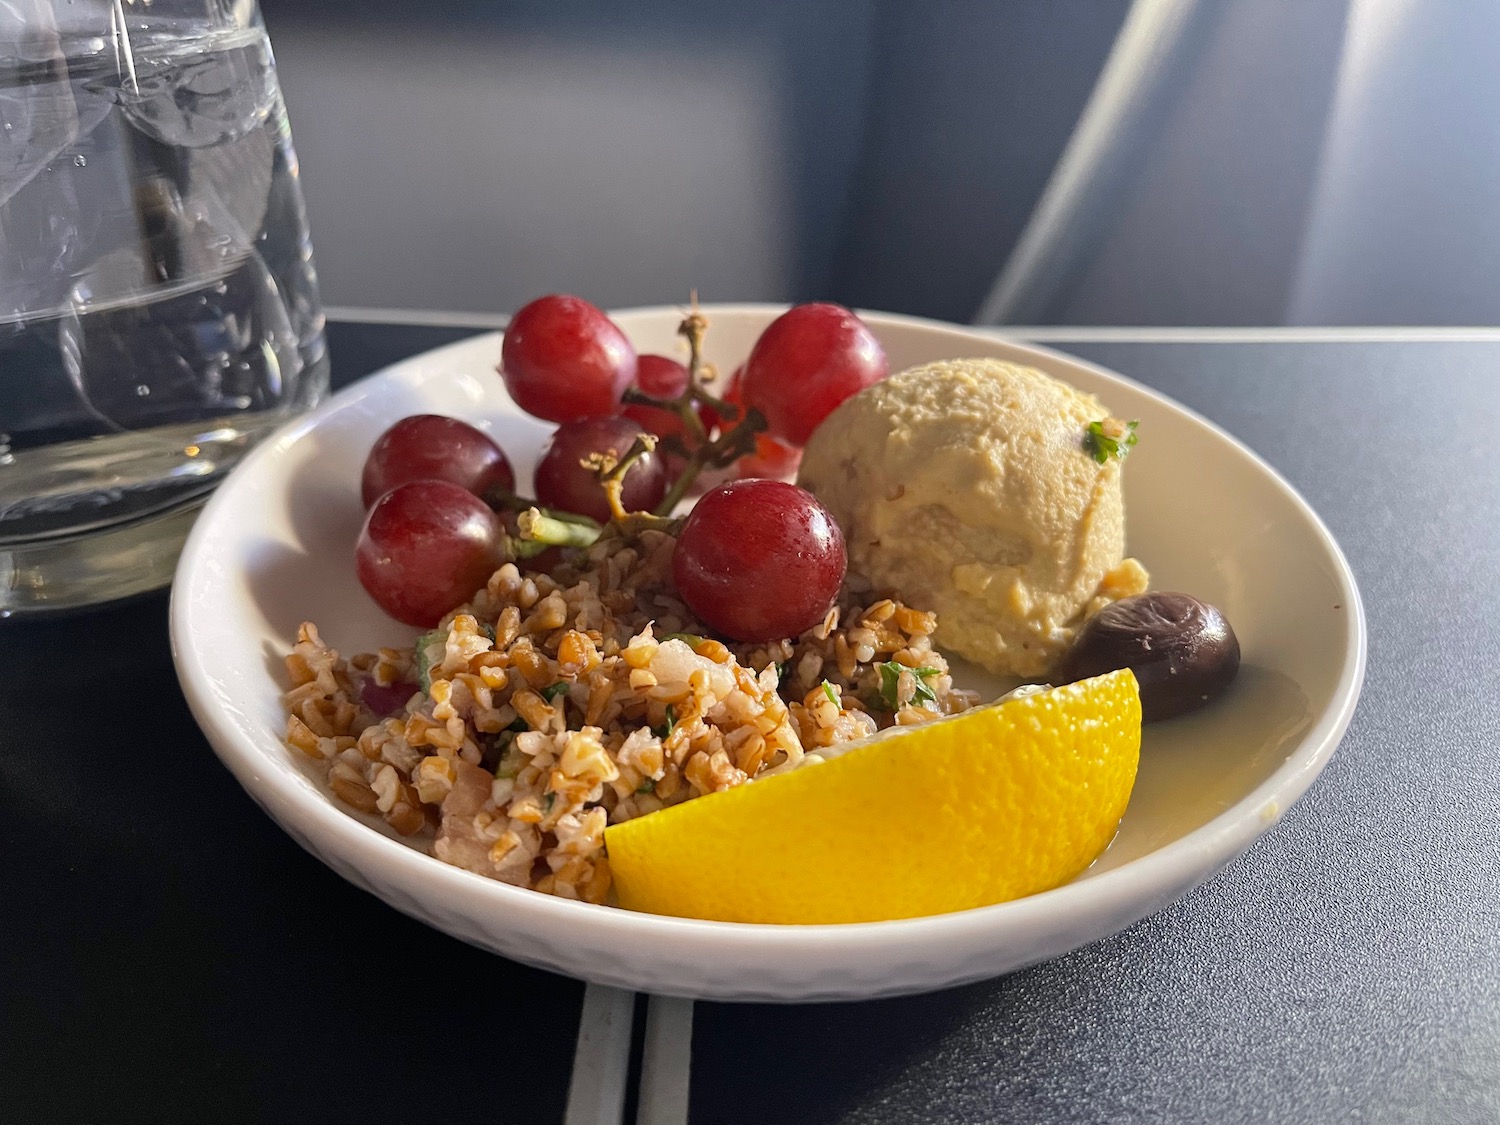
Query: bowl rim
{"type": "Point", "coordinates": [1154, 879]}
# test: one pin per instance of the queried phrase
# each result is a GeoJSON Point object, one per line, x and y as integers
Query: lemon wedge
{"type": "Point", "coordinates": [986, 806]}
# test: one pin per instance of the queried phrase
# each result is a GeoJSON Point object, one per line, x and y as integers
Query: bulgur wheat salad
{"type": "Point", "coordinates": [552, 704]}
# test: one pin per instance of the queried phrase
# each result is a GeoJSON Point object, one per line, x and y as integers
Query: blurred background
{"type": "Point", "coordinates": [1184, 162]}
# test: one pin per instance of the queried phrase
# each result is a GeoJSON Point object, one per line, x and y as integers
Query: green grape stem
{"type": "Point", "coordinates": [503, 501]}
{"type": "Point", "coordinates": [535, 526]}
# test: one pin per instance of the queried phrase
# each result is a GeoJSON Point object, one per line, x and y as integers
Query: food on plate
{"type": "Point", "coordinates": [807, 361]}
{"type": "Point", "coordinates": [762, 535]}
{"type": "Point", "coordinates": [976, 488]}
{"type": "Point", "coordinates": [594, 659]}
{"type": "Point", "coordinates": [553, 704]}
{"type": "Point", "coordinates": [564, 479]}
{"type": "Point", "coordinates": [563, 359]}
{"type": "Point", "coordinates": [432, 447]}
{"type": "Point", "coordinates": [992, 804]}
{"type": "Point", "coordinates": [424, 547]}
{"type": "Point", "coordinates": [1182, 650]}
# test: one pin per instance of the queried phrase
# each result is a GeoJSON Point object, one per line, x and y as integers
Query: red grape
{"type": "Point", "coordinates": [563, 482]}
{"type": "Point", "coordinates": [806, 362]}
{"type": "Point", "coordinates": [772, 458]}
{"type": "Point", "coordinates": [659, 377]}
{"type": "Point", "coordinates": [759, 560]}
{"type": "Point", "coordinates": [563, 359]}
{"type": "Point", "coordinates": [432, 447]}
{"type": "Point", "coordinates": [664, 378]}
{"type": "Point", "coordinates": [425, 548]}
{"type": "Point", "coordinates": [732, 392]}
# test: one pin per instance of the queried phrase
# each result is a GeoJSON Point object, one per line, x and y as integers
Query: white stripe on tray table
{"type": "Point", "coordinates": [666, 1063]}
{"type": "Point", "coordinates": [601, 1061]}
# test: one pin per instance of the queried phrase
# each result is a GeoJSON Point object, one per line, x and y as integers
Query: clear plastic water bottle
{"type": "Point", "coordinates": [158, 303]}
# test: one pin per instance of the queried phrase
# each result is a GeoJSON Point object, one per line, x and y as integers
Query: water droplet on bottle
{"type": "Point", "coordinates": [142, 390]}
{"type": "Point", "coordinates": [80, 160]}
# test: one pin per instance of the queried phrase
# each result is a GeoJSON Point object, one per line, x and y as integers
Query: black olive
{"type": "Point", "coordinates": [1182, 651]}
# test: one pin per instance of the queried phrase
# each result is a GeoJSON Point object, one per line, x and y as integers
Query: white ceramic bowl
{"type": "Point", "coordinates": [274, 546]}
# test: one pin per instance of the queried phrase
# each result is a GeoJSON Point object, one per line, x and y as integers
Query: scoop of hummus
{"type": "Point", "coordinates": [969, 487]}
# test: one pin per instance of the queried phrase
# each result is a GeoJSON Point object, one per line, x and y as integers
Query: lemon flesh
{"type": "Point", "coordinates": [987, 806]}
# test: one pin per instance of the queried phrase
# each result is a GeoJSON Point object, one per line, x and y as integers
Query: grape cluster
{"type": "Point", "coordinates": [756, 560]}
